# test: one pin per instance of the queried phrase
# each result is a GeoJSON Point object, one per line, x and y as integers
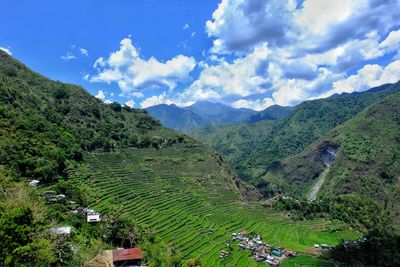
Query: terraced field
{"type": "Point", "coordinates": [184, 196]}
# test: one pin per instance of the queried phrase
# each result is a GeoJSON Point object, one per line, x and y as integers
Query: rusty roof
{"type": "Point", "coordinates": [127, 254]}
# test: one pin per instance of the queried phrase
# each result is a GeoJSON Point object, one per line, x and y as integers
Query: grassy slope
{"type": "Point", "coordinates": [182, 195]}
{"type": "Point", "coordinates": [367, 163]}
{"type": "Point", "coordinates": [251, 148]}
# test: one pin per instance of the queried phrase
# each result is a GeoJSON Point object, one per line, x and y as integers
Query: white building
{"type": "Point", "coordinates": [92, 218]}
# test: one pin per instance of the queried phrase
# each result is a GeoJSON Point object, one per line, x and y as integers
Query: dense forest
{"type": "Point", "coordinates": [46, 127]}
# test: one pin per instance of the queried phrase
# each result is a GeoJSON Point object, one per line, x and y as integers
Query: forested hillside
{"type": "Point", "coordinates": [251, 148]}
{"type": "Point", "coordinates": [367, 160]}
{"type": "Point", "coordinates": [46, 129]}
{"type": "Point", "coordinates": [44, 123]}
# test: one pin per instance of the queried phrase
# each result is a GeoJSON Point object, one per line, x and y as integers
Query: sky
{"type": "Point", "coordinates": [242, 53]}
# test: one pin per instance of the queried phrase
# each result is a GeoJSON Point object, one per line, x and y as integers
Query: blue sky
{"type": "Point", "coordinates": [244, 53]}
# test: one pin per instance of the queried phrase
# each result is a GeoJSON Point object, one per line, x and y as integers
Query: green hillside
{"type": "Point", "coordinates": [367, 160]}
{"type": "Point", "coordinates": [251, 148]}
{"type": "Point", "coordinates": [182, 195]}
{"type": "Point", "coordinates": [271, 113]}
{"type": "Point", "coordinates": [171, 195]}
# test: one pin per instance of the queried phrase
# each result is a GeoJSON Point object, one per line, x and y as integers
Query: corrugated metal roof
{"type": "Point", "coordinates": [127, 254]}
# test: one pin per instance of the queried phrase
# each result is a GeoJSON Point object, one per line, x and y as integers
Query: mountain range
{"type": "Point", "coordinates": [180, 199]}
{"type": "Point", "coordinates": [203, 113]}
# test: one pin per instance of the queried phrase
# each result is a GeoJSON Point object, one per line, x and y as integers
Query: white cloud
{"type": "Point", "coordinates": [107, 101]}
{"type": "Point", "coordinates": [317, 17]}
{"type": "Point", "coordinates": [239, 25]}
{"type": "Point", "coordinates": [133, 73]}
{"type": "Point", "coordinates": [253, 104]}
{"type": "Point", "coordinates": [71, 54]}
{"type": "Point", "coordinates": [136, 94]}
{"type": "Point", "coordinates": [130, 103]}
{"type": "Point", "coordinates": [242, 77]}
{"type": "Point", "coordinates": [100, 95]}
{"type": "Point", "coordinates": [7, 50]}
{"type": "Point", "coordinates": [83, 52]}
{"type": "Point", "coordinates": [392, 42]}
{"type": "Point", "coordinates": [156, 100]}
{"type": "Point", "coordinates": [311, 44]}
{"type": "Point", "coordinates": [369, 76]}
{"type": "Point", "coordinates": [185, 27]}
{"type": "Point", "coordinates": [68, 56]}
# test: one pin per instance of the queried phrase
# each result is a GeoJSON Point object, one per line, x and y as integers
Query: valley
{"type": "Point", "coordinates": [189, 202]}
{"type": "Point", "coordinates": [299, 177]}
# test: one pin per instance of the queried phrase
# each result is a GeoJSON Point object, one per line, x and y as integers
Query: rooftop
{"type": "Point", "coordinates": [127, 254]}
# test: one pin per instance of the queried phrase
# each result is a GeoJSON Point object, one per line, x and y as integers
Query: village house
{"type": "Point", "coordinates": [34, 183]}
{"type": "Point", "coordinates": [131, 257]}
{"type": "Point", "coordinates": [93, 217]}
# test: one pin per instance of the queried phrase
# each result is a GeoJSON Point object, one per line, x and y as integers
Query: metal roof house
{"type": "Point", "coordinates": [131, 257]}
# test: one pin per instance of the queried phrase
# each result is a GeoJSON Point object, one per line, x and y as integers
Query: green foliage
{"type": "Point", "coordinates": [359, 212]}
{"type": "Point", "coordinates": [251, 148]}
{"type": "Point", "coordinates": [190, 203]}
{"type": "Point", "coordinates": [367, 161]}
{"type": "Point", "coordinates": [44, 123]}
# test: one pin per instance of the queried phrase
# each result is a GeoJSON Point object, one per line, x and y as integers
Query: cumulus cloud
{"type": "Point", "coordinates": [239, 25]}
{"type": "Point", "coordinates": [132, 73]}
{"type": "Point", "coordinates": [257, 104]}
{"type": "Point", "coordinates": [185, 27]}
{"type": "Point", "coordinates": [369, 76]}
{"type": "Point", "coordinates": [156, 100]}
{"type": "Point", "coordinates": [243, 77]}
{"type": "Point", "coordinates": [130, 103]}
{"type": "Point", "coordinates": [7, 50]}
{"type": "Point", "coordinates": [392, 42]}
{"type": "Point", "coordinates": [83, 52]}
{"type": "Point", "coordinates": [100, 95]}
{"type": "Point", "coordinates": [311, 44]}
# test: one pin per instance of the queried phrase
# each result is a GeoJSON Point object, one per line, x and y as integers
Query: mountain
{"type": "Point", "coordinates": [360, 156]}
{"type": "Point", "coordinates": [251, 148]}
{"type": "Point", "coordinates": [198, 115]}
{"type": "Point", "coordinates": [154, 188]}
{"type": "Point", "coordinates": [177, 118]}
{"type": "Point", "coordinates": [152, 185]}
{"type": "Point", "coordinates": [271, 113]}
{"type": "Point", "coordinates": [48, 132]}
{"type": "Point", "coordinates": [220, 114]}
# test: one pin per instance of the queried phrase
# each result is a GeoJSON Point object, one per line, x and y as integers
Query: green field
{"type": "Point", "coordinates": [187, 199]}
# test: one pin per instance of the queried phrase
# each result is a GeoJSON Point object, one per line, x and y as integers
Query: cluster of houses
{"type": "Point", "coordinates": [91, 215]}
{"type": "Point", "coordinates": [261, 251]}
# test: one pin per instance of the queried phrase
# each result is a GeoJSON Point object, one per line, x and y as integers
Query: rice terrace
{"type": "Point", "coordinates": [200, 133]}
{"type": "Point", "coordinates": [188, 202]}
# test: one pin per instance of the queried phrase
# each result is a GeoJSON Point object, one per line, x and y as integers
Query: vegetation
{"type": "Point", "coordinates": [198, 115]}
{"type": "Point", "coordinates": [358, 212]}
{"type": "Point", "coordinates": [46, 126]}
{"type": "Point", "coordinates": [251, 148]}
{"type": "Point", "coordinates": [192, 205]}
{"type": "Point", "coordinates": [155, 188]}
{"type": "Point", "coordinates": [45, 123]}
{"type": "Point", "coordinates": [271, 113]}
{"type": "Point", "coordinates": [366, 163]}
